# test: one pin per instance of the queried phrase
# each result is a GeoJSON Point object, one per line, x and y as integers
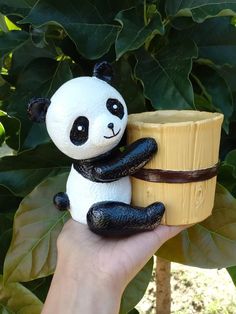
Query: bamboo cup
{"type": "Point", "coordinates": [187, 140]}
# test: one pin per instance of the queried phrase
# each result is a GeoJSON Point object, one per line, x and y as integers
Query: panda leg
{"type": "Point", "coordinates": [120, 219]}
{"type": "Point", "coordinates": [61, 201]}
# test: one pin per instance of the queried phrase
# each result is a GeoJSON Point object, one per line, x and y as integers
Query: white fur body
{"type": "Point", "coordinates": [86, 97]}
{"type": "Point", "coordinates": [83, 193]}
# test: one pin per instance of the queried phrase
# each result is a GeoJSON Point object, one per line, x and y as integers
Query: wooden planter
{"type": "Point", "coordinates": [187, 141]}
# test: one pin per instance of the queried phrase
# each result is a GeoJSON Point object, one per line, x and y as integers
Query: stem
{"type": "Point", "coordinates": [163, 292]}
{"type": "Point", "coordinates": [145, 13]}
{"type": "Point", "coordinates": [204, 92]}
{"type": "Point", "coordinates": [166, 22]}
{"type": "Point", "coordinates": [58, 34]}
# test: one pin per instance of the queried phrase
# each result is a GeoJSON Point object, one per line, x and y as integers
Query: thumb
{"type": "Point", "coordinates": [144, 245]}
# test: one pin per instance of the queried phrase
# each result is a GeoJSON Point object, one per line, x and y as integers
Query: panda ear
{"type": "Point", "coordinates": [103, 71]}
{"type": "Point", "coordinates": [37, 109]}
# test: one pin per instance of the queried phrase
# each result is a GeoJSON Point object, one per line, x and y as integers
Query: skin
{"type": "Point", "coordinates": [92, 272]}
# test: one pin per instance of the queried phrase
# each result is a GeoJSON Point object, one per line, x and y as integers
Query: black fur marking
{"type": "Point", "coordinates": [103, 71]}
{"type": "Point", "coordinates": [115, 108]}
{"type": "Point", "coordinates": [37, 109]}
{"type": "Point", "coordinates": [61, 201]}
{"type": "Point", "coordinates": [118, 164]}
{"type": "Point", "coordinates": [79, 131]}
{"type": "Point", "coordinates": [120, 219]}
{"type": "Point", "coordinates": [86, 166]}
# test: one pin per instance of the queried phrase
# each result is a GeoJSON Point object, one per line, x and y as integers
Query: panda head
{"type": "Point", "coordinates": [86, 117]}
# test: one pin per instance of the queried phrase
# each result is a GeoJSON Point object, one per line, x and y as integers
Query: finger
{"type": "Point", "coordinates": [144, 245]}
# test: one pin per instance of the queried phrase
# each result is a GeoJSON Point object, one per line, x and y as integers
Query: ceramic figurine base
{"type": "Point", "coordinates": [188, 146]}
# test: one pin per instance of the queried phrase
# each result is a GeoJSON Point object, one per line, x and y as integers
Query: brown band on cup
{"type": "Point", "coordinates": [175, 176]}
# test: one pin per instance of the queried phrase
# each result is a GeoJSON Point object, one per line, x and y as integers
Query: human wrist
{"type": "Point", "coordinates": [89, 270]}
{"type": "Point", "coordinates": [85, 292]}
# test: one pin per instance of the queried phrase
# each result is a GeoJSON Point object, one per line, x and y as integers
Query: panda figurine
{"type": "Point", "coordinates": [86, 119]}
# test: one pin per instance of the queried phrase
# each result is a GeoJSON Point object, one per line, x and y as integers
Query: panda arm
{"type": "Point", "coordinates": [135, 156]}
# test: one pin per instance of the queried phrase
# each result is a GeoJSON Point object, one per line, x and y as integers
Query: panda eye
{"type": "Point", "coordinates": [79, 131]}
{"type": "Point", "coordinates": [115, 107]}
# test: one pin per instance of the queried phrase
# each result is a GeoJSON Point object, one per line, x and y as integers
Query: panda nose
{"type": "Point", "coordinates": [110, 126]}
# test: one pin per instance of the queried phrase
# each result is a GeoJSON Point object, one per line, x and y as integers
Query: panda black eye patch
{"type": "Point", "coordinates": [79, 131]}
{"type": "Point", "coordinates": [115, 107]}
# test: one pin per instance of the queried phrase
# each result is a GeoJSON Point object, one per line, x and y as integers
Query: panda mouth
{"type": "Point", "coordinates": [114, 134]}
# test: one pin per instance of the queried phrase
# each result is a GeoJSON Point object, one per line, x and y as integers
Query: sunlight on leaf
{"type": "Point", "coordinates": [212, 242]}
{"type": "Point", "coordinates": [201, 9]}
{"type": "Point", "coordinates": [11, 26]}
{"type": "Point", "coordinates": [2, 134]}
{"type": "Point", "coordinates": [14, 298]}
{"type": "Point", "coordinates": [32, 253]}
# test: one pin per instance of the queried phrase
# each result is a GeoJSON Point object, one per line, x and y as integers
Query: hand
{"type": "Point", "coordinates": [101, 266]}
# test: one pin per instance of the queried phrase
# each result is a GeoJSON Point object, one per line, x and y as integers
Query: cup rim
{"type": "Point", "coordinates": [210, 117]}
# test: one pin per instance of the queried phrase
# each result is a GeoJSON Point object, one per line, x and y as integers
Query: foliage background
{"type": "Point", "coordinates": [167, 54]}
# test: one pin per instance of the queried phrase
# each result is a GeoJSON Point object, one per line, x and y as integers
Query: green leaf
{"type": "Point", "coordinates": [11, 126]}
{"type": "Point", "coordinates": [217, 89]}
{"type": "Point", "coordinates": [41, 77]}
{"type": "Point", "coordinates": [217, 41]}
{"type": "Point", "coordinates": [19, 3]}
{"type": "Point", "coordinates": [38, 36]}
{"type": "Point", "coordinates": [11, 40]}
{"type": "Point", "coordinates": [228, 73]}
{"type": "Point", "coordinates": [8, 203]}
{"type": "Point", "coordinates": [37, 224]}
{"type": "Point", "coordinates": [215, 38]}
{"type": "Point", "coordinates": [134, 31]}
{"type": "Point", "coordinates": [232, 272]}
{"type": "Point", "coordinates": [211, 243]}
{"type": "Point", "coordinates": [39, 287]}
{"type": "Point", "coordinates": [50, 75]}
{"type": "Point", "coordinates": [10, 25]}
{"type": "Point", "coordinates": [228, 140]}
{"type": "Point", "coordinates": [182, 23]}
{"type": "Point", "coordinates": [37, 135]}
{"type": "Point", "coordinates": [3, 25]}
{"type": "Point", "coordinates": [200, 9]}
{"type": "Point", "coordinates": [165, 75]}
{"type": "Point", "coordinates": [83, 21]}
{"type": "Point", "coordinates": [136, 288]}
{"type": "Point", "coordinates": [133, 95]}
{"type": "Point", "coordinates": [2, 113]}
{"type": "Point", "coordinates": [2, 134]}
{"type": "Point", "coordinates": [227, 177]}
{"type": "Point", "coordinates": [21, 173]}
{"type": "Point", "coordinates": [231, 158]}
{"type": "Point", "coordinates": [25, 54]}
{"type": "Point", "coordinates": [4, 89]}
{"type": "Point", "coordinates": [227, 172]}
{"type": "Point", "coordinates": [5, 310]}
{"type": "Point", "coordinates": [6, 223]}
{"type": "Point", "coordinates": [18, 7]}
{"type": "Point", "coordinates": [14, 298]}
{"type": "Point", "coordinates": [134, 311]}
{"type": "Point", "coordinates": [5, 240]}
{"type": "Point", "coordinates": [2, 130]}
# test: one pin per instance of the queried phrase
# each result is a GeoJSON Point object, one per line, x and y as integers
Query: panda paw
{"type": "Point", "coordinates": [155, 213]}
{"type": "Point", "coordinates": [120, 219]}
{"type": "Point", "coordinates": [61, 201]}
